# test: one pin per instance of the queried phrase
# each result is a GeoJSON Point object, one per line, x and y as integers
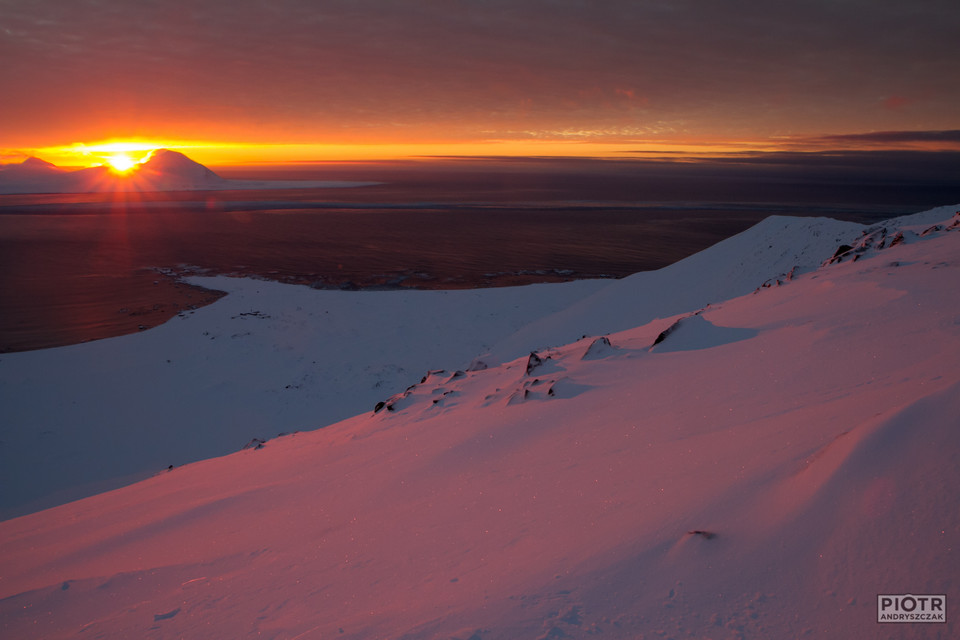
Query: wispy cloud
{"type": "Point", "coordinates": [896, 137]}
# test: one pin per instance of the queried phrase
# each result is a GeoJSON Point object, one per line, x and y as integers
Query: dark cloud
{"type": "Point", "coordinates": [895, 137]}
{"type": "Point", "coordinates": [907, 180]}
{"type": "Point", "coordinates": [908, 170]}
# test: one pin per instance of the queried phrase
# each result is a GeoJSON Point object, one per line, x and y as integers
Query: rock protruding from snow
{"type": "Point", "coordinates": [255, 443]}
{"type": "Point", "coordinates": [533, 361]}
{"type": "Point", "coordinates": [477, 365]}
{"type": "Point", "coordinates": [599, 348]}
{"type": "Point", "coordinates": [875, 239]}
{"type": "Point", "coordinates": [774, 248]}
{"type": "Point", "coordinates": [955, 223]}
{"type": "Point", "coordinates": [666, 332]}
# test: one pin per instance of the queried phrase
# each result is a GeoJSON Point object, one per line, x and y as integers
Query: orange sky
{"type": "Point", "coordinates": [234, 154]}
{"type": "Point", "coordinates": [223, 153]}
{"type": "Point", "coordinates": [292, 80]}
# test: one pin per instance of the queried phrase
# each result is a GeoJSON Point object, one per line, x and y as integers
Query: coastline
{"type": "Point", "coordinates": [67, 279]}
{"type": "Point", "coordinates": [75, 268]}
{"type": "Point", "coordinates": [141, 301]}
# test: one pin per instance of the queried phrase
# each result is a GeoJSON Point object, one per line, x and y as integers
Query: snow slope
{"type": "Point", "coordinates": [760, 468]}
{"type": "Point", "coordinates": [779, 247]}
{"type": "Point", "coordinates": [266, 359]}
{"type": "Point", "coordinates": [272, 358]}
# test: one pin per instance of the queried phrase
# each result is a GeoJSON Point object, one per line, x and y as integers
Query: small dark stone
{"type": "Point", "coordinates": [666, 332]}
{"type": "Point", "coordinates": [842, 249]}
{"type": "Point", "coordinates": [708, 535]}
{"type": "Point", "coordinates": [165, 616]}
{"type": "Point", "coordinates": [533, 361]}
{"type": "Point", "coordinates": [255, 443]}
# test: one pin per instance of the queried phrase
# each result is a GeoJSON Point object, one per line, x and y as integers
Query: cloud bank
{"type": "Point", "coordinates": [375, 69]}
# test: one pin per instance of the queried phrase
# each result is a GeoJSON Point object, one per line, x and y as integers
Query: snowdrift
{"type": "Point", "coordinates": [761, 466]}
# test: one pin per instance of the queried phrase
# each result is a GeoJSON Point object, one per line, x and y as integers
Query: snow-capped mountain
{"type": "Point", "coordinates": [164, 170]}
{"type": "Point", "coordinates": [760, 456]}
{"type": "Point", "coordinates": [30, 167]}
{"type": "Point", "coordinates": [167, 170]}
{"type": "Point", "coordinates": [33, 175]}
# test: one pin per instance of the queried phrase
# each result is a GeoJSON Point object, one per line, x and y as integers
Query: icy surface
{"type": "Point", "coordinates": [763, 469]}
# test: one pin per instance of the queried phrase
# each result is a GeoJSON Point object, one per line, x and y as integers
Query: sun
{"type": "Point", "coordinates": [121, 162]}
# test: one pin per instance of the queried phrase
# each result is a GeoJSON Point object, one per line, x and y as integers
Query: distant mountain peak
{"type": "Point", "coordinates": [31, 168]}
{"type": "Point", "coordinates": [176, 164]}
{"type": "Point", "coordinates": [162, 170]}
{"type": "Point", "coordinates": [36, 163]}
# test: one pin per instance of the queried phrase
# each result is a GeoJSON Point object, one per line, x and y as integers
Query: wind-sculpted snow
{"type": "Point", "coordinates": [272, 358]}
{"type": "Point", "coordinates": [694, 332]}
{"type": "Point", "coordinates": [763, 471]}
{"type": "Point", "coordinates": [879, 237]}
{"type": "Point", "coordinates": [268, 358]}
{"type": "Point", "coordinates": [732, 267]}
{"type": "Point", "coordinates": [777, 248]}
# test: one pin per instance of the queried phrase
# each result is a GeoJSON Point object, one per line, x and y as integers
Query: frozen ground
{"type": "Point", "coordinates": [271, 358]}
{"type": "Point", "coordinates": [762, 466]}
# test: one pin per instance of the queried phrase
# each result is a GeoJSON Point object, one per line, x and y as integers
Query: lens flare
{"type": "Point", "coordinates": [121, 162]}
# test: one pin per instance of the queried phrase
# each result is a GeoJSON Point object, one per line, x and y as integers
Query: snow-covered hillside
{"type": "Point", "coordinates": [272, 358]}
{"type": "Point", "coordinates": [759, 466]}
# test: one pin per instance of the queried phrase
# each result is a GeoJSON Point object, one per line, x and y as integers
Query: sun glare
{"type": "Point", "coordinates": [121, 162]}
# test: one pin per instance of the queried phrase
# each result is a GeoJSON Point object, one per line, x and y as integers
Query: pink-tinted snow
{"type": "Point", "coordinates": [763, 471]}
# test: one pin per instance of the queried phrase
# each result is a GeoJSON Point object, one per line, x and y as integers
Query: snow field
{"type": "Point", "coordinates": [763, 470]}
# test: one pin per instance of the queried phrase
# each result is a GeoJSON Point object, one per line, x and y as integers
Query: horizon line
{"type": "Point", "coordinates": [215, 153]}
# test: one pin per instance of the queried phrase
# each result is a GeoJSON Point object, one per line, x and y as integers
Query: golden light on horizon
{"type": "Point", "coordinates": [120, 155]}
{"type": "Point", "coordinates": [224, 153]}
{"type": "Point", "coordinates": [216, 153]}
